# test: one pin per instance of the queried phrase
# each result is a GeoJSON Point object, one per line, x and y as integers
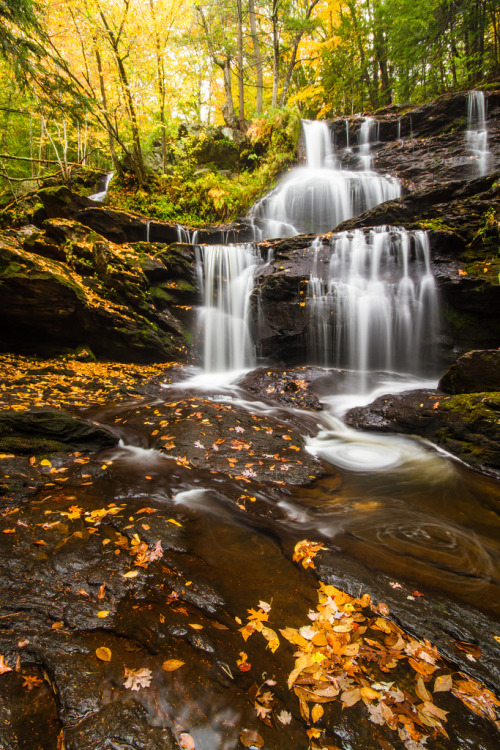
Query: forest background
{"type": "Point", "coordinates": [138, 86]}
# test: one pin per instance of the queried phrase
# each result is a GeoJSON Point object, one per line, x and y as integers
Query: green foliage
{"type": "Point", "coordinates": [192, 196]}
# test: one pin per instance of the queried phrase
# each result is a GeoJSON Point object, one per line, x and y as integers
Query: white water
{"type": "Point", "coordinates": [318, 196]}
{"type": "Point", "coordinates": [226, 279]}
{"type": "Point", "coordinates": [476, 136]}
{"type": "Point", "coordinates": [368, 133]}
{"type": "Point", "coordinates": [101, 195]}
{"type": "Point", "coordinates": [372, 303]}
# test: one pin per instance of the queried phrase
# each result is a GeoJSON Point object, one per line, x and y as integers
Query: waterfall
{"type": "Point", "coordinates": [101, 195]}
{"type": "Point", "coordinates": [318, 196]}
{"type": "Point", "coordinates": [189, 236]}
{"type": "Point", "coordinates": [368, 133]}
{"type": "Point", "coordinates": [226, 279]}
{"type": "Point", "coordinates": [372, 302]}
{"type": "Point", "coordinates": [476, 136]}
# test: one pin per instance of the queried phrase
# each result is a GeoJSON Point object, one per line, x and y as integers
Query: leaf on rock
{"type": "Point", "coordinates": [3, 666]}
{"type": "Point", "coordinates": [103, 653]}
{"type": "Point", "coordinates": [170, 665]}
{"type": "Point", "coordinates": [137, 678]}
{"type": "Point", "coordinates": [317, 712]}
{"type": "Point", "coordinates": [284, 717]}
{"type": "Point", "coordinates": [443, 683]}
{"type": "Point", "coordinates": [350, 697]}
{"type": "Point", "coordinates": [251, 738]}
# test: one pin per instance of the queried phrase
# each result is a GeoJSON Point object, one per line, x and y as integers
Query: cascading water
{"type": "Point", "coordinates": [476, 136]}
{"type": "Point", "coordinates": [372, 302]}
{"type": "Point", "coordinates": [318, 196]}
{"type": "Point", "coordinates": [226, 279]}
{"type": "Point", "coordinates": [368, 132]}
{"type": "Point", "coordinates": [101, 195]}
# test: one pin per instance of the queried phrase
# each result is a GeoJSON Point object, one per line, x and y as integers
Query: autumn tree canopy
{"type": "Point", "coordinates": [101, 80]}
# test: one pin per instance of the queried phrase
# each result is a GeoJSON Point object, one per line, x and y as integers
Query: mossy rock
{"type": "Point", "coordinates": [476, 371]}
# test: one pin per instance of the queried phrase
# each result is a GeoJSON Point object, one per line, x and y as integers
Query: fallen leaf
{"type": "Point", "coordinates": [443, 683]}
{"type": "Point", "coordinates": [103, 613]}
{"type": "Point", "coordinates": [251, 738]}
{"type": "Point", "coordinates": [131, 574]}
{"type": "Point", "coordinates": [137, 678]}
{"type": "Point", "coordinates": [317, 712]}
{"type": "Point", "coordinates": [3, 666]}
{"type": "Point", "coordinates": [103, 653]}
{"type": "Point", "coordinates": [170, 665]}
{"type": "Point", "coordinates": [284, 717]}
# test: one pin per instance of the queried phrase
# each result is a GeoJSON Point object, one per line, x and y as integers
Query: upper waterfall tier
{"type": "Point", "coordinates": [476, 136]}
{"type": "Point", "coordinates": [318, 196]}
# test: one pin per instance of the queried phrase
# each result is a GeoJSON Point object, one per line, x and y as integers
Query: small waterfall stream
{"type": "Point", "coordinates": [100, 196]}
{"type": "Point", "coordinates": [318, 196]}
{"type": "Point", "coordinates": [476, 136]}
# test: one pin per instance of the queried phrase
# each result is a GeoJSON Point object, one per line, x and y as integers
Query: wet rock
{"type": "Point", "coordinates": [61, 202]}
{"type": "Point", "coordinates": [466, 425]}
{"type": "Point", "coordinates": [48, 308]}
{"type": "Point", "coordinates": [422, 145]}
{"type": "Point", "coordinates": [50, 430]}
{"type": "Point", "coordinates": [290, 387]}
{"type": "Point", "coordinates": [475, 372]}
{"type": "Point", "coordinates": [120, 226]}
{"type": "Point", "coordinates": [120, 725]}
{"type": "Point", "coordinates": [226, 438]}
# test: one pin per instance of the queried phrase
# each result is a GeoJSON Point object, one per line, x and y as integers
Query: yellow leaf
{"type": "Point", "coordinates": [45, 462]}
{"type": "Point", "coordinates": [317, 712]}
{"type": "Point", "coordinates": [369, 693]}
{"type": "Point", "coordinates": [131, 574]}
{"type": "Point", "coordinates": [171, 665]}
{"type": "Point", "coordinates": [176, 523]}
{"type": "Point", "coordinates": [103, 613]}
{"type": "Point", "coordinates": [103, 653]}
{"type": "Point", "coordinates": [195, 626]}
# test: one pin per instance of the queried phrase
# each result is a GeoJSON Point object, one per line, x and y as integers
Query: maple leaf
{"type": "Point", "coordinates": [258, 614]}
{"type": "Point", "coordinates": [157, 552]}
{"type": "Point", "coordinates": [262, 711]}
{"type": "Point", "coordinates": [284, 717]}
{"type": "Point", "coordinates": [137, 678]}
{"type": "Point", "coordinates": [31, 682]}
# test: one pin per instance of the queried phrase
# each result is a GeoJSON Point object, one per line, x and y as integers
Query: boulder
{"type": "Point", "coordinates": [47, 430]}
{"type": "Point", "coordinates": [475, 372]}
{"type": "Point", "coordinates": [61, 202]}
{"type": "Point", "coordinates": [466, 425]}
{"type": "Point", "coordinates": [48, 308]}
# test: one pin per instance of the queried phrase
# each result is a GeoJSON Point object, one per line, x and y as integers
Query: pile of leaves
{"type": "Point", "coordinates": [351, 652]}
{"type": "Point", "coordinates": [29, 382]}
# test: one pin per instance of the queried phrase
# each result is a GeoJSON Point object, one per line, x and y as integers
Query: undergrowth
{"type": "Point", "coordinates": [192, 194]}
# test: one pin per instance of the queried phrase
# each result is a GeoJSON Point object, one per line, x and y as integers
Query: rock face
{"type": "Point", "coordinates": [50, 430]}
{"type": "Point", "coordinates": [423, 145]}
{"type": "Point", "coordinates": [475, 372]}
{"type": "Point", "coordinates": [95, 294]}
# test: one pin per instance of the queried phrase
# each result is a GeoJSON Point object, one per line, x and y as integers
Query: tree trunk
{"type": "Point", "coordinates": [257, 57]}
{"type": "Point", "coordinates": [276, 53]}
{"type": "Point", "coordinates": [241, 92]}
